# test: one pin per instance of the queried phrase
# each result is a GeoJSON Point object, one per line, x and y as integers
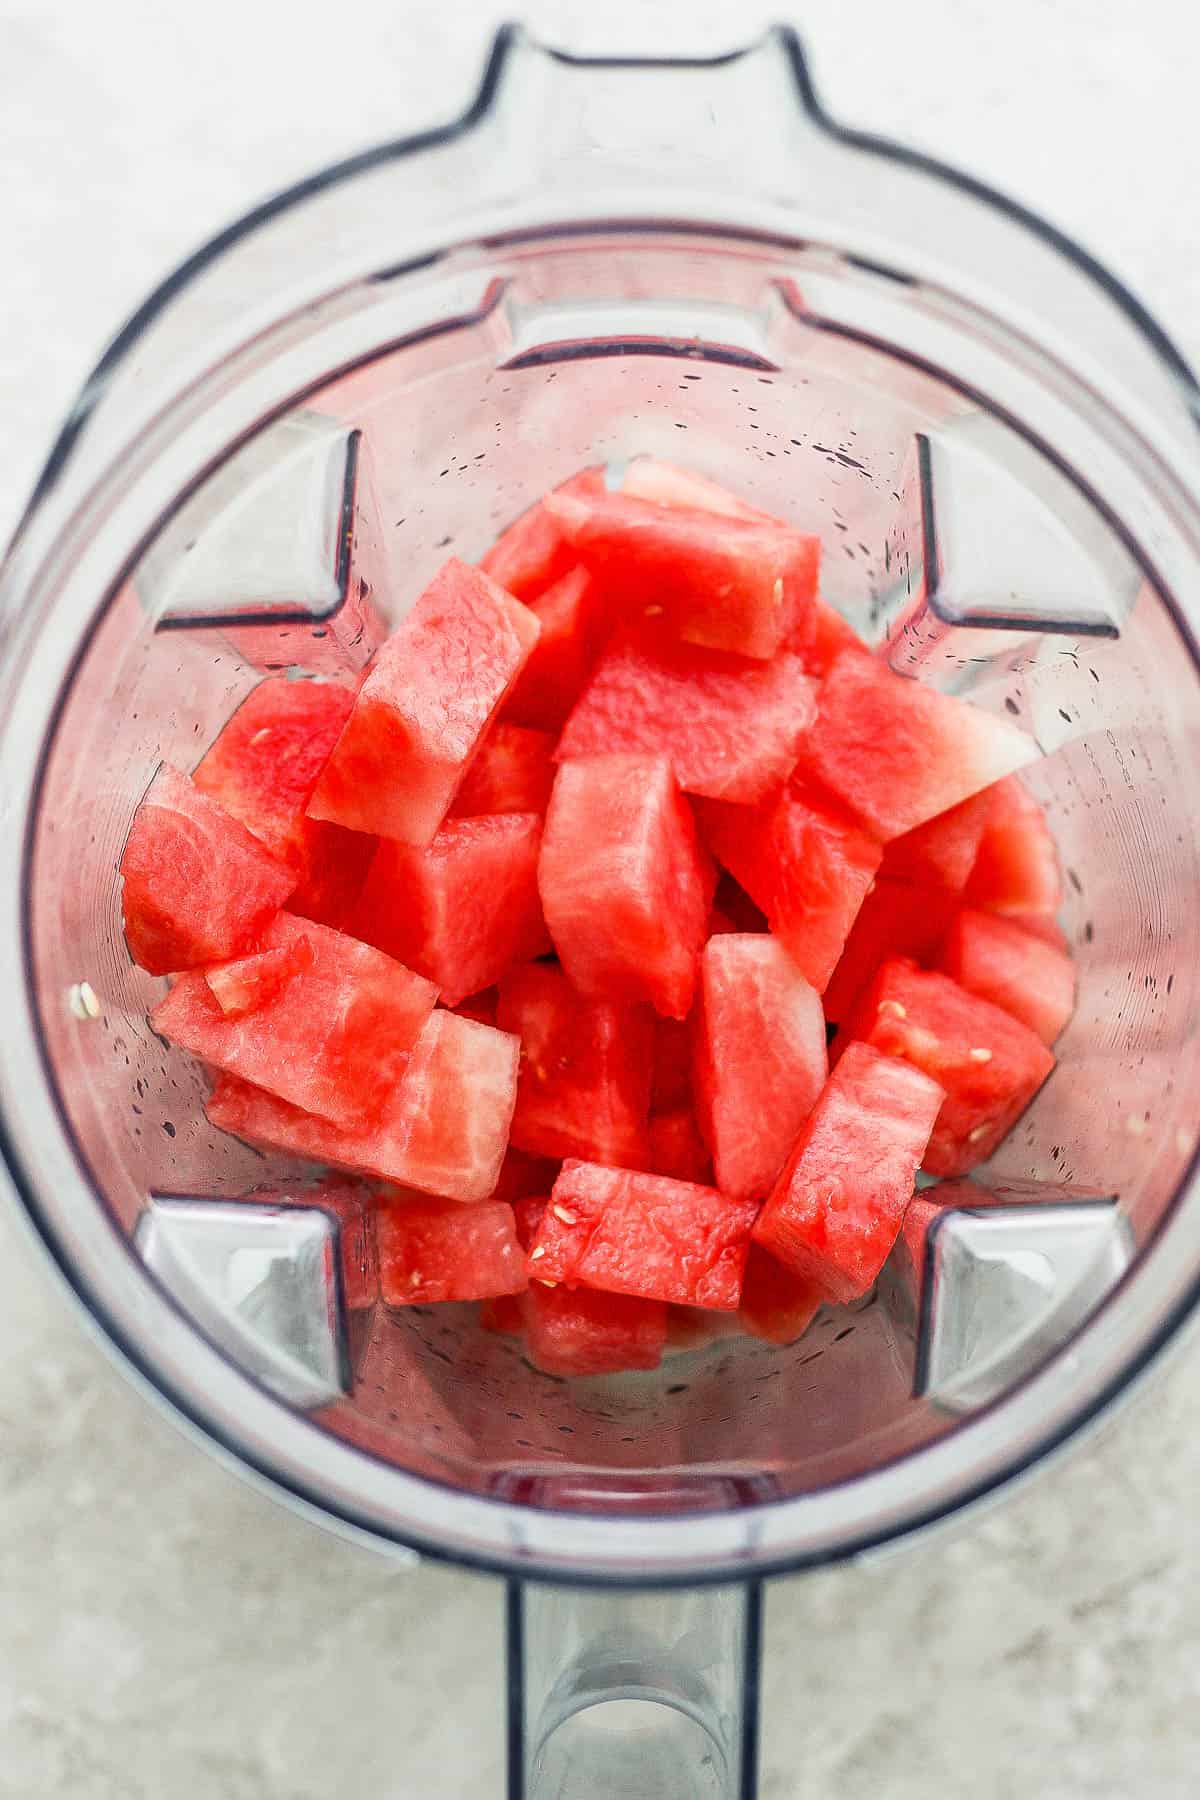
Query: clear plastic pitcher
{"type": "Point", "coordinates": [386, 365]}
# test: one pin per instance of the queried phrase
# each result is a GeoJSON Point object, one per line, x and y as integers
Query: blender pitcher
{"type": "Point", "coordinates": [384, 366]}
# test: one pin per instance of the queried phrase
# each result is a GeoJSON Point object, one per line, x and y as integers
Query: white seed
{"type": "Point", "coordinates": [83, 1002]}
{"type": "Point", "coordinates": [535, 1253]}
{"type": "Point", "coordinates": [979, 1131]}
{"type": "Point", "coordinates": [568, 1218]}
{"type": "Point", "coordinates": [894, 1007]}
{"type": "Point", "coordinates": [981, 1055]}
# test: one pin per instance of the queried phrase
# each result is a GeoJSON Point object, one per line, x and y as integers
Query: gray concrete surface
{"type": "Point", "coordinates": [166, 1634]}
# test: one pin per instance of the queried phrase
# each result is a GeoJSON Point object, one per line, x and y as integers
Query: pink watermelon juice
{"type": "Point", "coordinates": [627, 939]}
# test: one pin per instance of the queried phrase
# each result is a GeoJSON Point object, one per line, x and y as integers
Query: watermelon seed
{"type": "Point", "coordinates": [981, 1055]}
{"type": "Point", "coordinates": [568, 1218]}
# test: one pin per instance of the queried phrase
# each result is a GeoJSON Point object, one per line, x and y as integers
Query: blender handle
{"type": "Point", "coordinates": [633, 1692]}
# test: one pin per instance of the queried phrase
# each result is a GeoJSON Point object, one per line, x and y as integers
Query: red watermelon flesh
{"type": "Point", "coordinates": [586, 1069]}
{"type": "Point", "coordinates": [676, 1147]}
{"type": "Point", "coordinates": [335, 1039]}
{"type": "Point", "coordinates": [463, 909]}
{"type": "Point", "coordinates": [895, 919]}
{"type": "Point", "coordinates": [198, 887]}
{"type": "Point", "coordinates": [445, 1129]}
{"type": "Point", "coordinates": [760, 1059]}
{"type": "Point", "coordinates": [244, 986]}
{"type": "Point", "coordinates": [625, 885]}
{"type": "Point", "coordinates": [997, 959]}
{"type": "Point", "coordinates": [777, 1304]}
{"type": "Point", "coordinates": [572, 617]}
{"type": "Point", "coordinates": [581, 1331]}
{"type": "Point", "coordinates": [989, 1064]}
{"type": "Point", "coordinates": [1016, 870]}
{"type": "Point", "coordinates": [631, 1233]}
{"type": "Point", "coordinates": [837, 1208]}
{"type": "Point", "coordinates": [419, 716]}
{"type": "Point", "coordinates": [262, 769]}
{"type": "Point", "coordinates": [672, 1065]}
{"type": "Point", "coordinates": [727, 583]}
{"type": "Point", "coordinates": [533, 553]}
{"type": "Point", "coordinates": [431, 1250]}
{"type": "Point", "coordinates": [731, 727]}
{"type": "Point", "coordinates": [897, 753]}
{"type": "Point", "coordinates": [942, 852]}
{"type": "Point", "coordinates": [805, 862]}
{"type": "Point", "coordinates": [513, 772]}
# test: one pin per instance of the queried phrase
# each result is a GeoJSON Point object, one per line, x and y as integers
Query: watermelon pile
{"type": "Point", "coordinates": [630, 933]}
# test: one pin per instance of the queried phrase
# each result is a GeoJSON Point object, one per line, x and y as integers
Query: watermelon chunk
{"type": "Point", "coordinates": [732, 728]}
{"type": "Point", "coordinates": [263, 767]}
{"type": "Point", "coordinates": [836, 1209]}
{"type": "Point", "coordinates": [676, 1147]}
{"type": "Point", "coordinates": [586, 1069]}
{"type": "Point", "coordinates": [897, 753]}
{"type": "Point", "coordinates": [777, 1304]}
{"type": "Point", "coordinates": [444, 1131]}
{"type": "Point", "coordinates": [244, 986]}
{"type": "Point", "coordinates": [334, 1039]}
{"type": "Point", "coordinates": [895, 919]}
{"type": "Point", "coordinates": [428, 698]}
{"type": "Point", "coordinates": [1016, 870]}
{"type": "Point", "coordinates": [727, 583]}
{"type": "Point", "coordinates": [581, 1331]}
{"type": "Point", "coordinates": [198, 887]}
{"type": "Point", "coordinates": [942, 852]}
{"type": "Point", "coordinates": [625, 885]}
{"type": "Point", "coordinates": [513, 772]}
{"type": "Point", "coordinates": [533, 552]}
{"type": "Point", "coordinates": [760, 1058]}
{"type": "Point", "coordinates": [463, 909]}
{"type": "Point", "coordinates": [997, 959]}
{"type": "Point", "coordinates": [805, 862]}
{"type": "Point", "coordinates": [643, 1234]}
{"type": "Point", "coordinates": [432, 1250]}
{"type": "Point", "coordinates": [572, 621]}
{"type": "Point", "coordinates": [989, 1065]}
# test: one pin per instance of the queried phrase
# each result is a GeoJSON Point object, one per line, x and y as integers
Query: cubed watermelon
{"type": "Point", "coordinates": [463, 909]}
{"type": "Point", "coordinates": [727, 583]}
{"type": "Point", "coordinates": [198, 887]}
{"type": "Point", "coordinates": [1016, 870]}
{"type": "Point", "coordinates": [431, 1250]}
{"type": "Point", "coordinates": [777, 1304]}
{"type": "Point", "coordinates": [897, 753]}
{"type": "Point", "coordinates": [996, 958]}
{"type": "Point", "coordinates": [760, 1058]}
{"type": "Point", "coordinates": [244, 986]}
{"type": "Point", "coordinates": [334, 1039]}
{"type": "Point", "coordinates": [643, 1234]}
{"type": "Point", "coordinates": [513, 772]}
{"type": "Point", "coordinates": [731, 727]}
{"type": "Point", "coordinates": [418, 718]}
{"type": "Point", "coordinates": [263, 767]}
{"type": "Point", "coordinates": [444, 1131]}
{"type": "Point", "coordinates": [941, 853]}
{"type": "Point", "coordinates": [676, 1147]}
{"type": "Point", "coordinates": [989, 1064]}
{"type": "Point", "coordinates": [806, 862]}
{"type": "Point", "coordinates": [625, 884]}
{"type": "Point", "coordinates": [586, 1069]}
{"type": "Point", "coordinates": [895, 919]}
{"type": "Point", "coordinates": [836, 1209]}
{"type": "Point", "coordinates": [573, 622]}
{"type": "Point", "coordinates": [533, 553]}
{"type": "Point", "coordinates": [581, 1331]}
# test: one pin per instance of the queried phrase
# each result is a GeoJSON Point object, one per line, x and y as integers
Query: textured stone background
{"type": "Point", "coordinates": [166, 1634]}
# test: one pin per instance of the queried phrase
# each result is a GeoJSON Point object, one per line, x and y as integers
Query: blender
{"type": "Point", "coordinates": [383, 367]}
